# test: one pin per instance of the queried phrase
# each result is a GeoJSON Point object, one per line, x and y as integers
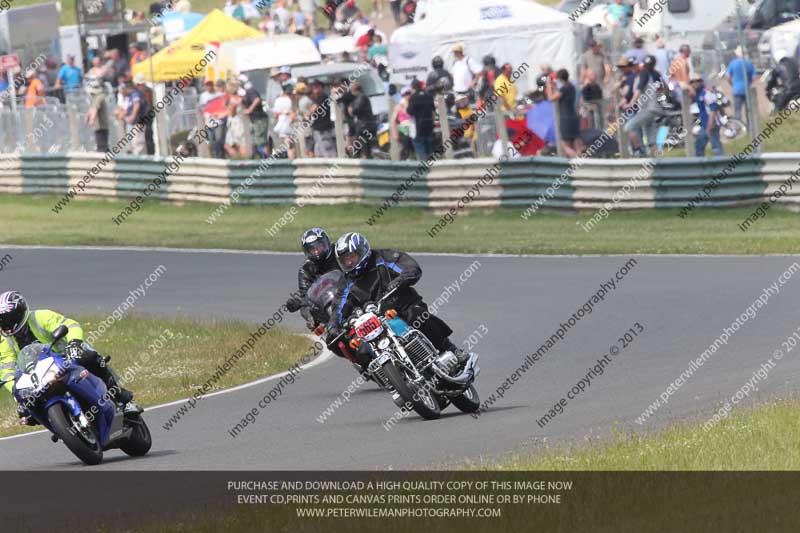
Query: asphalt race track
{"type": "Point", "coordinates": [683, 302]}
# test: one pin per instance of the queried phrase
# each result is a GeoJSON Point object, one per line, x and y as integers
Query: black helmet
{"type": "Point", "coordinates": [14, 312]}
{"type": "Point", "coordinates": [352, 253]}
{"type": "Point", "coordinates": [489, 61]}
{"type": "Point", "coordinates": [649, 61]}
{"type": "Point", "coordinates": [437, 62]}
{"type": "Point", "coordinates": [316, 245]}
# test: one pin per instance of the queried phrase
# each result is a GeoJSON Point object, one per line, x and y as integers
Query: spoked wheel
{"type": "Point", "coordinates": [468, 401]}
{"type": "Point", "coordinates": [420, 398]}
{"type": "Point", "coordinates": [83, 442]}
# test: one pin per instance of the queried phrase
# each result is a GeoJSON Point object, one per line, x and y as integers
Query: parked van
{"type": "Point", "coordinates": [680, 21]}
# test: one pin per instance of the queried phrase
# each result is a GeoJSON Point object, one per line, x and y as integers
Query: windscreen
{"type": "Point", "coordinates": [28, 356]}
{"type": "Point", "coordinates": [321, 294]}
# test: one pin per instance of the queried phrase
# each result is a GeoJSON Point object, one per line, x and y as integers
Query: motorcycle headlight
{"type": "Point", "coordinates": [50, 376]}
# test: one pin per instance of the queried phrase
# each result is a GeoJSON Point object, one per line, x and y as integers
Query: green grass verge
{"type": "Point", "coordinates": [185, 361]}
{"type": "Point", "coordinates": [29, 220]}
{"type": "Point", "coordinates": [760, 438]}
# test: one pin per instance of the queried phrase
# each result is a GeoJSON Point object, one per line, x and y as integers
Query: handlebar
{"type": "Point", "coordinates": [341, 334]}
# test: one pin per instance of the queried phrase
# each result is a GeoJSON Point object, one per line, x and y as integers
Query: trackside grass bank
{"type": "Point", "coordinates": [759, 438]}
{"type": "Point", "coordinates": [28, 220]}
{"type": "Point", "coordinates": [162, 360]}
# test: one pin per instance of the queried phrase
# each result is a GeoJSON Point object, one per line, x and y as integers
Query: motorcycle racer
{"type": "Point", "coordinates": [370, 274]}
{"type": "Point", "coordinates": [20, 327]}
{"type": "Point", "coordinates": [319, 261]}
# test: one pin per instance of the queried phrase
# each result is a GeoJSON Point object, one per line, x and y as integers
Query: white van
{"type": "Point", "coordinates": [682, 21]}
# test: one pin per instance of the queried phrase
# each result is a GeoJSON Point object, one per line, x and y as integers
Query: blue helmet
{"type": "Point", "coordinates": [352, 253]}
{"type": "Point", "coordinates": [316, 244]}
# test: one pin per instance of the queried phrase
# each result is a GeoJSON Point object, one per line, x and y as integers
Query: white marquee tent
{"type": "Point", "coordinates": [514, 31]}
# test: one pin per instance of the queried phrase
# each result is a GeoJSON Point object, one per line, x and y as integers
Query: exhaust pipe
{"type": "Point", "coordinates": [470, 372]}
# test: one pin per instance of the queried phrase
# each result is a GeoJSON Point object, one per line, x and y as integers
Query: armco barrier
{"type": "Point", "coordinates": [591, 184]}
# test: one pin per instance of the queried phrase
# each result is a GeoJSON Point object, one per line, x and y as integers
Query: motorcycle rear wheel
{"type": "Point", "coordinates": [61, 422]}
{"type": "Point", "coordinates": [140, 441]}
{"type": "Point", "coordinates": [468, 401]}
{"type": "Point", "coordinates": [426, 406]}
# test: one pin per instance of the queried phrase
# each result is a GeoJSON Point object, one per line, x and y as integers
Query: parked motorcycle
{"type": "Point", "coordinates": [74, 406]}
{"type": "Point", "coordinates": [407, 365]}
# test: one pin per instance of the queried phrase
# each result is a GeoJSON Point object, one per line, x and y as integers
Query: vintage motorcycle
{"type": "Point", "coordinates": [75, 406]}
{"type": "Point", "coordinates": [405, 363]}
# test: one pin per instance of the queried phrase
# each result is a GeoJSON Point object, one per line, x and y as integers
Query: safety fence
{"type": "Point", "coordinates": [588, 184]}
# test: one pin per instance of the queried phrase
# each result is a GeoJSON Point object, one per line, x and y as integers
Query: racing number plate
{"type": "Point", "coordinates": [368, 327]}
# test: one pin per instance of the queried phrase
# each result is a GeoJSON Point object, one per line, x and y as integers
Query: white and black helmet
{"type": "Point", "coordinates": [352, 253]}
{"type": "Point", "coordinates": [14, 312]}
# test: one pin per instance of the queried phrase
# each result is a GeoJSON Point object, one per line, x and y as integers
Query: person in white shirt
{"type": "Point", "coordinates": [464, 70]}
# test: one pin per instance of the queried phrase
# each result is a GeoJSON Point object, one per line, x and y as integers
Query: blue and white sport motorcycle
{"type": "Point", "coordinates": [75, 405]}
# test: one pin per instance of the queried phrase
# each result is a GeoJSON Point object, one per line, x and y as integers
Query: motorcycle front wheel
{"type": "Point", "coordinates": [421, 399]}
{"type": "Point", "coordinates": [84, 443]}
{"type": "Point", "coordinates": [468, 401]}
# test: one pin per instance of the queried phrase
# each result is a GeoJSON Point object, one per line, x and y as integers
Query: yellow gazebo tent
{"type": "Point", "coordinates": [185, 55]}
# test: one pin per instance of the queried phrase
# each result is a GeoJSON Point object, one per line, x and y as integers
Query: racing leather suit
{"type": "Point", "coordinates": [382, 267]}
{"type": "Point", "coordinates": [41, 325]}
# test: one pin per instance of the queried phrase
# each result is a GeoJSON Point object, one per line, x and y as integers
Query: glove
{"type": "Point", "coordinates": [311, 324]}
{"type": "Point", "coordinates": [331, 333]}
{"type": "Point", "coordinates": [294, 304]}
{"type": "Point", "coordinates": [74, 350]}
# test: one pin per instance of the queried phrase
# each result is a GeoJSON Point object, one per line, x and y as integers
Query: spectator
{"type": "Point", "coordinates": [402, 119]}
{"type": "Point", "coordinates": [364, 41]}
{"type": "Point", "coordinates": [645, 95]}
{"type": "Point", "coordinates": [259, 120]}
{"type": "Point", "coordinates": [147, 93]}
{"type": "Point", "coordinates": [638, 53]}
{"type": "Point", "coordinates": [97, 117]}
{"type": "Point", "coordinates": [69, 77]}
{"type": "Point", "coordinates": [664, 56]}
{"type": "Point", "coordinates": [137, 55]}
{"type": "Point", "coordinates": [439, 79]}
{"type": "Point", "coordinates": [298, 20]}
{"type": "Point", "coordinates": [348, 11]}
{"type": "Point", "coordinates": [740, 84]}
{"type": "Point", "coordinates": [409, 10]}
{"type": "Point", "coordinates": [218, 145]}
{"type": "Point", "coordinates": [506, 89]}
{"type": "Point", "coordinates": [211, 123]}
{"type": "Point", "coordinates": [133, 117]}
{"type": "Point", "coordinates": [267, 25]}
{"type": "Point", "coordinates": [283, 114]}
{"type": "Point", "coordinates": [322, 127]}
{"type": "Point", "coordinates": [304, 106]}
{"type": "Point", "coordinates": [421, 107]}
{"type": "Point", "coordinates": [365, 126]}
{"type": "Point", "coordinates": [377, 48]}
{"type": "Point", "coordinates": [679, 70]}
{"type": "Point", "coordinates": [594, 60]}
{"type": "Point", "coordinates": [709, 120]}
{"type": "Point", "coordinates": [34, 94]}
{"type": "Point", "coordinates": [395, 7]}
{"type": "Point", "coordinates": [616, 19]}
{"type": "Point", "coordinates": [97, 72]}
{"type": "Point", "coordinates": [237, 10]}
{"type": "Point", "coordinates": [234, 136]}
{"type": "Point", "coordinates": [592, 95]}
{"type": "Point", "coordinates": [488, 77]}
{"type": "Point", "coordinates": [567, 114]}
{"type": "Point", "coordinates": [465, 71]}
